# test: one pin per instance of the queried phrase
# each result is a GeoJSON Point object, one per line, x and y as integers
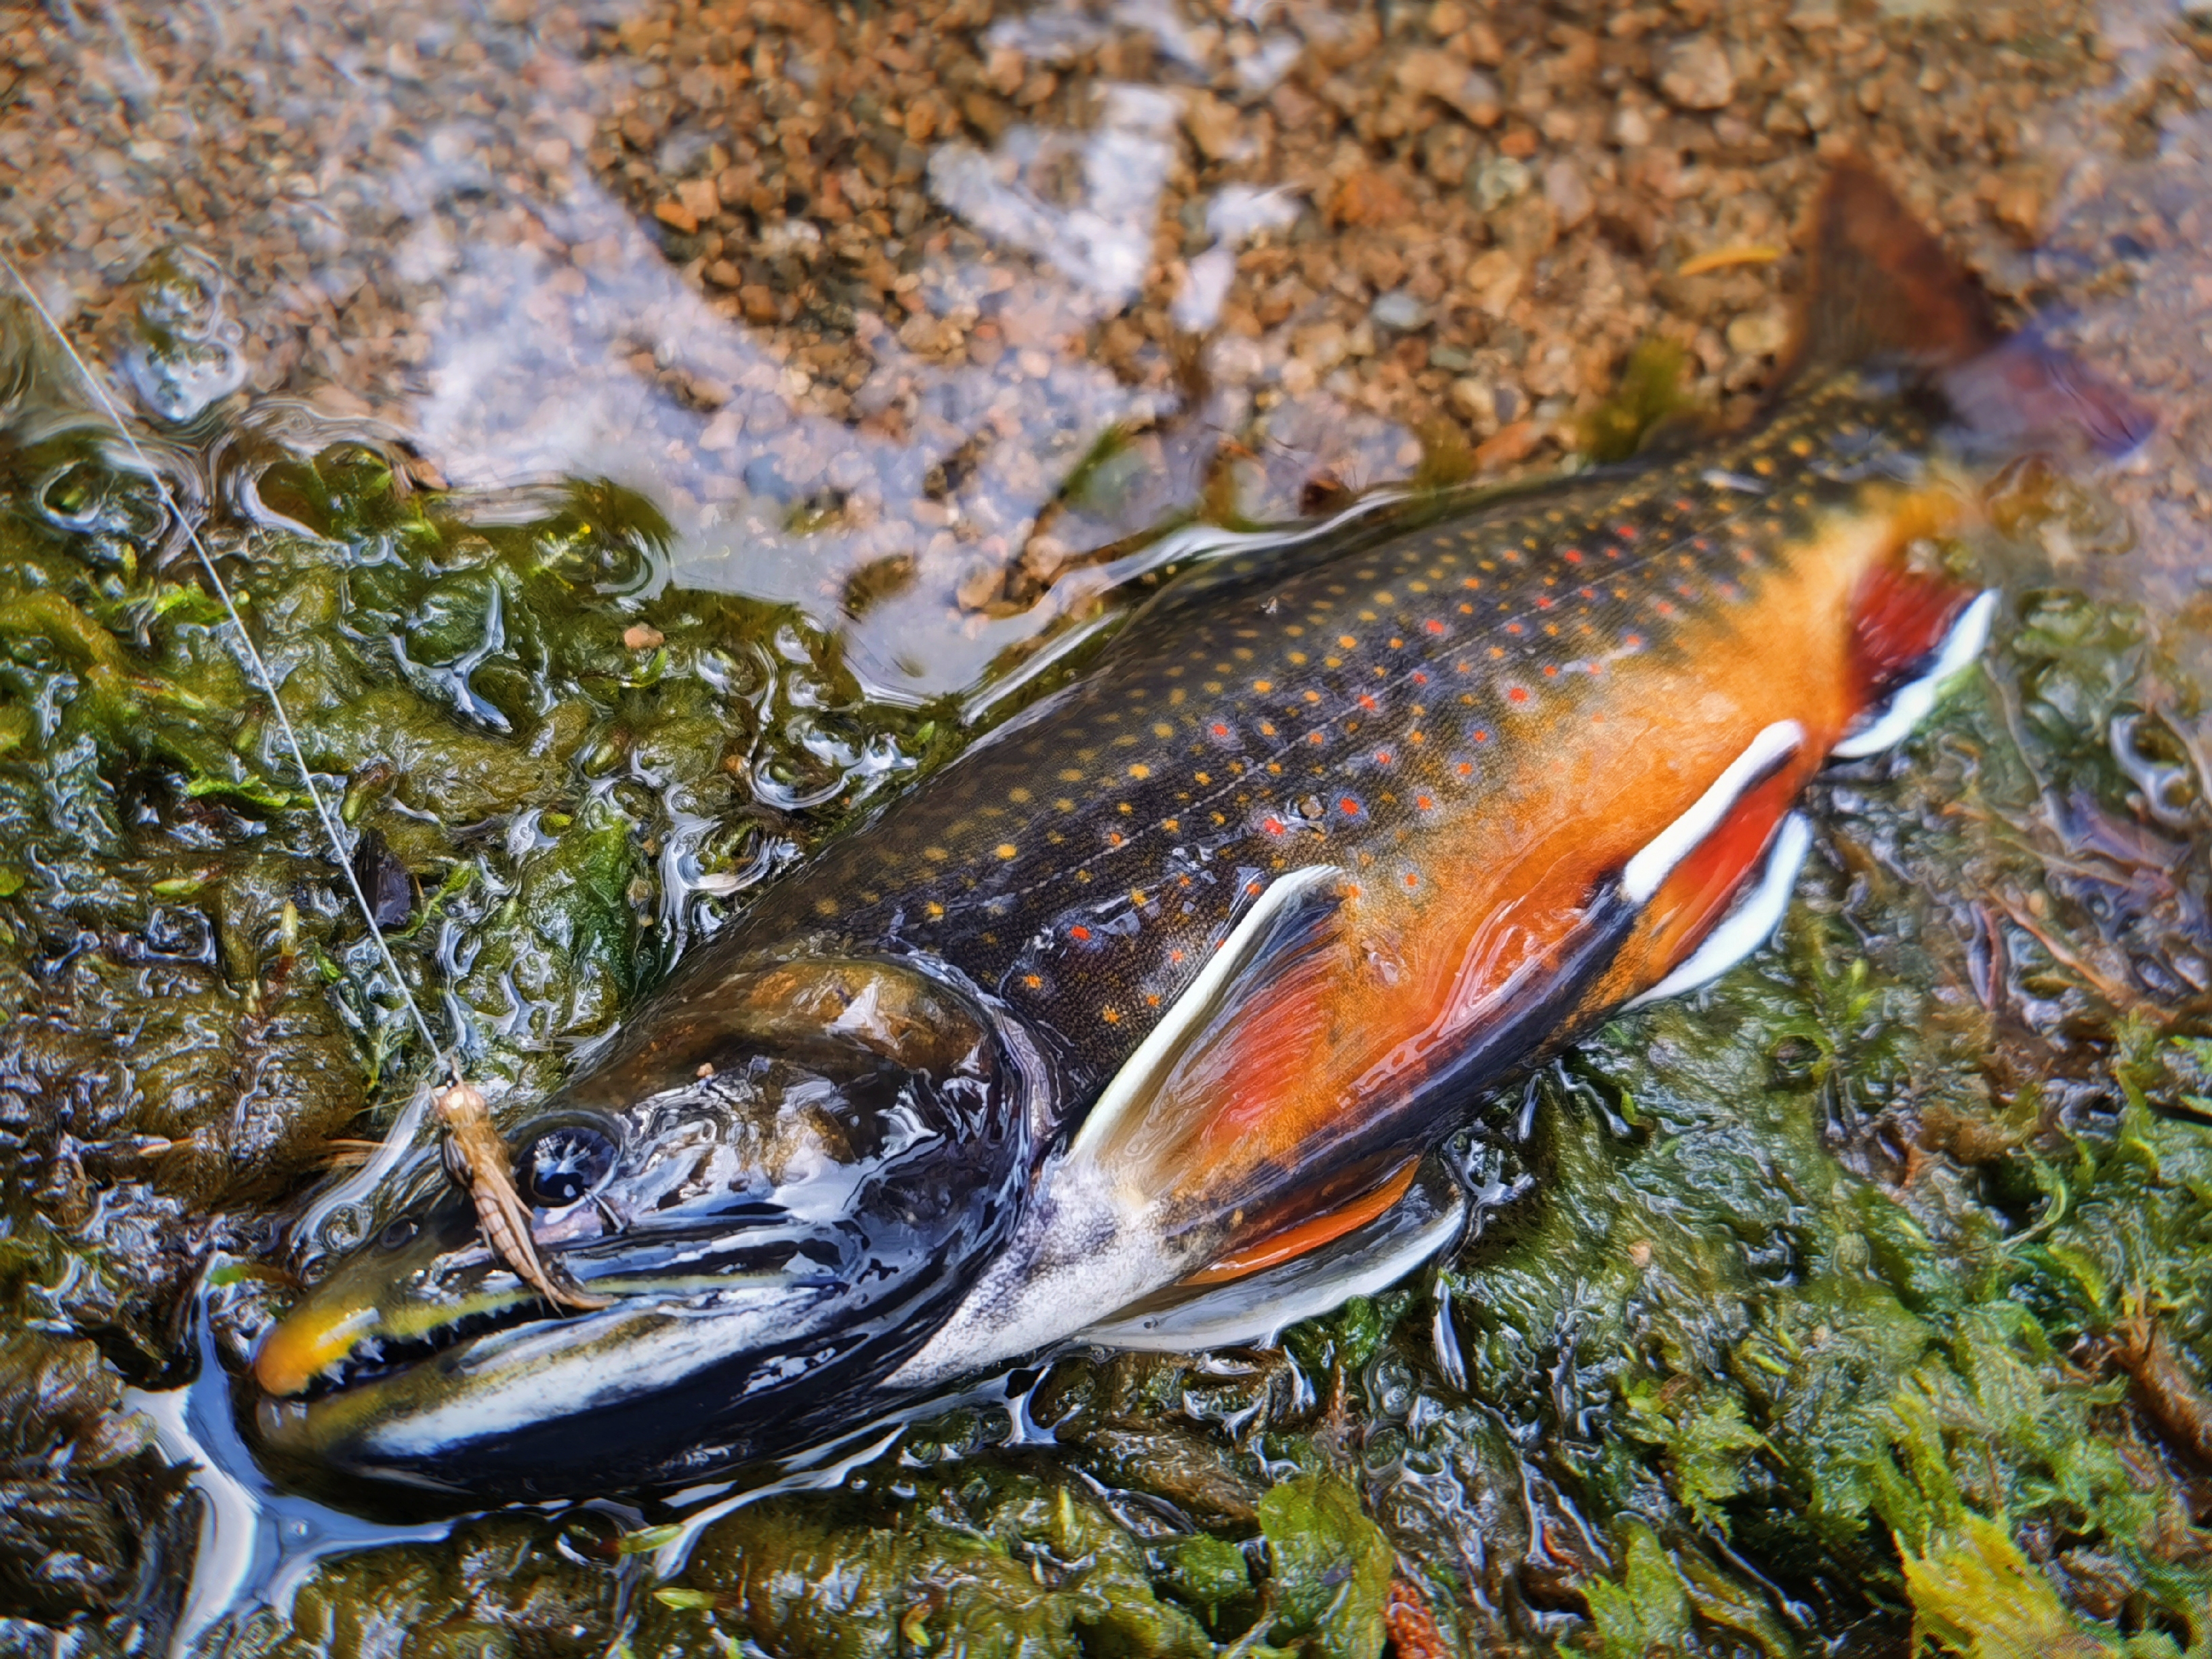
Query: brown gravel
{"type": "Point", "coordinates": [856, 292]}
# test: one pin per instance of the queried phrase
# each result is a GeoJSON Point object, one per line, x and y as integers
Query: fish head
{"type": "Point", "coordinates": [778, 1179]}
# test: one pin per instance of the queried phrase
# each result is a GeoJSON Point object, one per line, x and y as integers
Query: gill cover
{"type": "Point", "coordinates": [781, 1182]}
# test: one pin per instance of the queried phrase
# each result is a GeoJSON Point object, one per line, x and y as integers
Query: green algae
{"type": "Point", "coordinates": [1798, 1331]}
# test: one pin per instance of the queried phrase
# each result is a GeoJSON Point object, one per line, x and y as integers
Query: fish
{"type": "Point", "coordinates": [1145, 1022]}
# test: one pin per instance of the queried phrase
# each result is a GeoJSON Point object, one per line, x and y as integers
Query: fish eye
{"type": "Point", "coordinates": [398, 1233]}
{"type": "Point", "coordinates": [564, 1165]}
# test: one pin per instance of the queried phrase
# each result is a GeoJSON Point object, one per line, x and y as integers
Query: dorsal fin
{"type": "Point", "coordinates": [1882, 287]}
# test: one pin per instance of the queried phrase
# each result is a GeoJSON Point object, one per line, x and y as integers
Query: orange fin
{"type": "Point", "coordinates": [1308, 1234]}
{"type": "Point", "coordinates": [1698, 891]}
{"type": "Point", "coordinates": [1900, 619]}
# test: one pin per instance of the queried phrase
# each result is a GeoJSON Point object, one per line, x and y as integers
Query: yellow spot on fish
{"type": "Point", "coordinates": [1140, 770]}
{"type": "Point", "coordinates": [1006, 849]}
{"type": "Point", "coordinates": [1019, 797]}
{"type": "Point", "coordinates": [1161, 729]}
{"type": "Point", "coordinates": [937, 852]}
{"type": "Point", "coordinates": [1070, 774]}
{"type": "Point", "coordinates": [1263, 686]}
{"type": "Point", "coordinates": [935, 911]}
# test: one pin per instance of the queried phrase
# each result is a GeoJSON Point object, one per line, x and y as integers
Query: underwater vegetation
{"type": "Point", "coordinates": [1852, 1305]}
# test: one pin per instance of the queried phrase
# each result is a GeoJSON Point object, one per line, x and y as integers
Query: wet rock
{"type": "Point", "coordinates": [183, 347]}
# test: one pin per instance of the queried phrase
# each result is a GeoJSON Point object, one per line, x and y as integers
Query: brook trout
{"type": "Point", "coordinates": [1143, 1022]}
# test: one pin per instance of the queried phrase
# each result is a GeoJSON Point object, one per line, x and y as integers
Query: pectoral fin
{"type": "Point", "coordinates": [1425, 1215]}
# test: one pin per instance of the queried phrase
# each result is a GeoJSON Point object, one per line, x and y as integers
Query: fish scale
{"type": "Point", "coordinates": [1186, 784]}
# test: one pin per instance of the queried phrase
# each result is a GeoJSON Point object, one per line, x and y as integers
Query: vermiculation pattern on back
{"type": "Point", "coordinates": [1085, 864]}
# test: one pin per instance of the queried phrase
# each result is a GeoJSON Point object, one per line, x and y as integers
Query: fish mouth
{"type": "Point", "coordinates": [432, 1308]}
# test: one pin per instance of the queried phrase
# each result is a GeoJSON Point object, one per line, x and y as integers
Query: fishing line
{"type": "Point", "coordinates": [259, 668]}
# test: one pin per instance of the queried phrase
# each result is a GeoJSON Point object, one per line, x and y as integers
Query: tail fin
{"type": "Point", "coordinates": [1883, 290]}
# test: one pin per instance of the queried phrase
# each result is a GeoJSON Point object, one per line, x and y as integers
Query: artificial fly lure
{"type": "Point", "coordinates": [475, 1157]}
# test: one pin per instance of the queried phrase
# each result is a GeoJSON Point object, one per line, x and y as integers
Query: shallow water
{"type": "Point", "coordinates": [602, 587]}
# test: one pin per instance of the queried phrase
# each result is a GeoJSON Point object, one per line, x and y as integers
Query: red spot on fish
{"type": "Point", "coordinates": [1543, 602]}
{"type": "Point", "coordinates": [1219, 730]}
{"type": "Point", "coordinates": [1079, 934]}
{"type": "Point", "coordinates": [1465, 769]}
{"type": "Point", "coordinates": [1572, 556]}
{"type": "Point", "coordinates": [1349, 807]}
{"type": "Point", "coordinates": [1634, 641]}
{"type": "Point", "coordinates": [1482, 737]}
{"type": "Point", "coordinates": [1423, 802]}
{"type": "Point", "coordinates": [1625, 531]}
{"type": "Point", "coordinates": [1433, 626]}
{"type": "Point", "coordinates": [1382, 758]}
{"type": "Point", "coordinates": [1513, 627]}
{"type": "Point", "coordinates": [1273, 826]}
{"type": "Point", "coordinates": [1366, 701]}
{"type": "Point", "coordinates": [1412, 880]}
{"type": "Point", "coordinates": [1665, 608]}
{"type": "Point", "coordinates": [1113, 837]}
{"type": "Point", "coordinates": [1587, 593]}
{"type": "Point", "coordinates": [1420, 678]}
{"type": "Point", "coordinates": [1684, 504]}
{"type": "Point", "coordinates": [1551, 671]}
{"type": "Point", "coordinates": [1251, 888]}
{"type": "Point", "coordinates": [1516, 694]}
{"type": "Point", "coordinates": [1174, 956]}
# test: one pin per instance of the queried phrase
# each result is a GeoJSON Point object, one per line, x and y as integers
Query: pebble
{"type": "Point", "coordinates": [1400, 310]}
{"type": "Point", "coordinates": [1500, 179]}
{"type": "Point", "coordinates": [1570, 198]}
{"type": "Point", "coordinates": [1695, 74]}
{"type": "Point", "coordinates": [1758, 333]}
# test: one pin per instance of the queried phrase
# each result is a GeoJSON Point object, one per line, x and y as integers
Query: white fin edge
{"type": "Point", "coordinates": [1253, 1309]}
{"type": "Point", "coordinates": [1750, 923]}
{"type": "Point", "coordinates": [1913, 704]}
{"type": "Point", "coordinates": [1640, 877]}
{"type": "Point", "coordinates": [1134, 1082]}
